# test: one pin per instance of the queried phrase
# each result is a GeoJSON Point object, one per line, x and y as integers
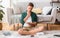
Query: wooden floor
{"type": "Point", "coordinates": [54, 26]}
{"type": "Point", "coordinates": [50, 26]}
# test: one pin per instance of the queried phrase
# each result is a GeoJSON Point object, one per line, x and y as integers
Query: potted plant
{"type": "Point", "coordinates": [1, 16]}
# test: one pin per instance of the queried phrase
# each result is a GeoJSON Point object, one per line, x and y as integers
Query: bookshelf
{"type": "Point", "coordinates": [57, 1]}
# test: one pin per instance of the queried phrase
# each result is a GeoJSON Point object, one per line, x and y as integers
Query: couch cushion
{"type": "Point", "coordinates": [49, 13]}
{"type": "Point", "coordinates": [44, 18]}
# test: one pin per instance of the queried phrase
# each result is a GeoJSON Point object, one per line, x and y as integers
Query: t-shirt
{"type": "Point", "coordinates": [28, 20]}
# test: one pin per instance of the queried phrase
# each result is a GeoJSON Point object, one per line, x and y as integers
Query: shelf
{"type": "Point", "coordinates": [55, 2]}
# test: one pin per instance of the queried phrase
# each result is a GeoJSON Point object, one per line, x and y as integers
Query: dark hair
{"type": "Point", "coordinates": [31, 4]}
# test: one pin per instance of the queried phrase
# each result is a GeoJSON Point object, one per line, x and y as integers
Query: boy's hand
{"type": "Point", "coordinates": [26, 17]}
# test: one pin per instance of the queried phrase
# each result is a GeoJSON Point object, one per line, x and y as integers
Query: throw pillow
{"type": "Point", "coordinates": [37, 10]}
{"type": "Point", "coordinates": [46, 10]}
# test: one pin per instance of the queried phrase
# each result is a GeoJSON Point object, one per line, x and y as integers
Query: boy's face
{"type": "Point", "coordinates": [29, 8]}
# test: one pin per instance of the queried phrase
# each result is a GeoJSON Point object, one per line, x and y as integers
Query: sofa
{"type": "Point", "coordinates": [14, 13]}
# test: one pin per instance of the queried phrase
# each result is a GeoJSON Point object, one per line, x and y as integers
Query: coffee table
{"type": "Point", "coordinates": [14, 34]}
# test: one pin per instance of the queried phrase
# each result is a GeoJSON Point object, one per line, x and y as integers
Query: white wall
{"type": "Point", "coordinates": [32, 0]}
{"type": "Point", "coordinates": [42, 2]}
{"type": "Point", "coordinates": [6, 3]}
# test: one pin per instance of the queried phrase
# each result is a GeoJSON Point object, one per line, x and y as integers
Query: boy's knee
{"type": "Point", "coordinates": [41, 27]}
{"type": "Point", "coordinates": [20, 31]}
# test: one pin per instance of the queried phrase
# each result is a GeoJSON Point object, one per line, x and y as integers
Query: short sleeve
{"type": "Point", "coordinates": [21, 19]}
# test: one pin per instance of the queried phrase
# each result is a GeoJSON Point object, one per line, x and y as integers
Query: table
{"type": "Point", "coordinates": [45, 34]}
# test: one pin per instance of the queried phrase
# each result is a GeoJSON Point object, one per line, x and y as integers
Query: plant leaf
{"type": "Point", "coordinates": [1, 11]}
{"type": "Point", "coordinates": [1, 6]}
{"type": "Point", "coordinates": [1, 16]}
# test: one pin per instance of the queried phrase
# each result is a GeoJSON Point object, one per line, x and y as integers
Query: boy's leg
{"type": "Point", "coordinates": [31, 32]}
{"type": "Point", "coordinates": [23, 32]}
{"type": "Point", "coordinates": [36, 30]}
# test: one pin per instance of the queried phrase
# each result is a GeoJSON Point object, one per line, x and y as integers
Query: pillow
{"type": "Point", "coordinates": [37, 10]}
{"type": "Point", "coordinates": [46, 10]}
{"type": "Point", "coordinates": [49, 13]}
{"type": "Point", "coordinates": [16, 9]}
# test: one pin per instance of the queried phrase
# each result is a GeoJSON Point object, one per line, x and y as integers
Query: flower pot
{"type": "Point", "coordinates": [0, 26]}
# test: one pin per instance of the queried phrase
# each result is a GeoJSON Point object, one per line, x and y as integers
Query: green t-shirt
{"type": "Point", "coordinates": [24, 14]}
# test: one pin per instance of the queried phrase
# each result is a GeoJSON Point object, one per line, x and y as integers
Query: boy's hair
{"type": "Point", "coordinates": [31, 4]}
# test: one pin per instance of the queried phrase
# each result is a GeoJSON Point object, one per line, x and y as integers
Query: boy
{"type": "Point", "coordinates": [29, 21]}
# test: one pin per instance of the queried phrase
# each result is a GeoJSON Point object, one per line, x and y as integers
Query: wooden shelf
{"type": "Point", "coordinates": [55, 2]}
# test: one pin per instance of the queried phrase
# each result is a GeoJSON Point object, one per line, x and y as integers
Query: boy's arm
{"type": "Point", "coordinates": [21, 19]}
